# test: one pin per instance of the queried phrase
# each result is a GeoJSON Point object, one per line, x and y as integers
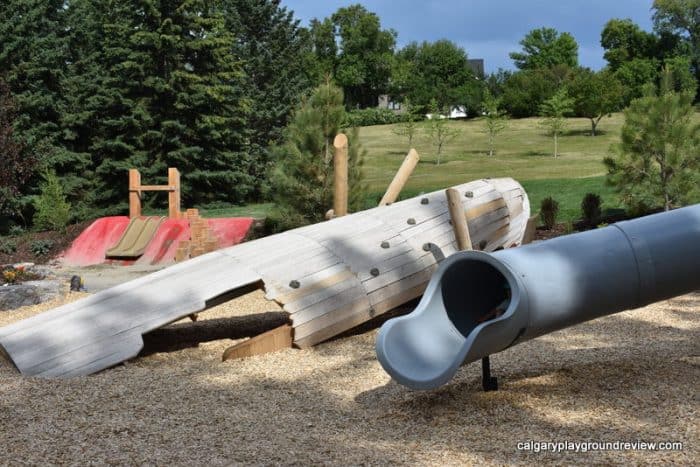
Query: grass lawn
{"type": "Point", "coordinates": [523, 151]}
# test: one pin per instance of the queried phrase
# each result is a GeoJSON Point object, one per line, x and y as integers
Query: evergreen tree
{"type": "Point", "coordinates": [18, 164]}
{"type": "Point", "coordinates": [274, 51]}
{"type": "Point", "coordinates": [657, 161]}
{"type": "Point", "coordinates": [52, 210]}
{"type": "Point", "coordinates": [32, 60]}
{"type": "Point", "coordinates": [161, 89]}
{"type": "Point", "coordinates": [303, 176]}
{"type": "Point", "coordinates": [34, 56]}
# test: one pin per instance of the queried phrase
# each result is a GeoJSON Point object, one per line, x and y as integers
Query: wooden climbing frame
{"type": "Point", "coordinates": [173, 189]}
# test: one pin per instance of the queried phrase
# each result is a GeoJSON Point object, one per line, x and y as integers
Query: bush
{"type": "Point", "coordinates": [7, 247]}
{"type": "Point", "coordinates": [590, 206]}
{"type": "Point", "coordinates": [373, 116]}
{"type": "Point", "coordinates": [549, 209]}
{"type": "Point", "coordinates": [16, 230]}
{"type": "Point", "coordinates": [52, 209]}
{"type": "Point", "coordinates": [41, 247]}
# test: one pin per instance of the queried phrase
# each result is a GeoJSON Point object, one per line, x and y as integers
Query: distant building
{"type": "Point", "coordinates": [477, 66]}
{"type": "Point", "coordinates": [385, 102]}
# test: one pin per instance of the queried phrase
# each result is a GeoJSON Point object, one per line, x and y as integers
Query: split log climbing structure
{"type": "Point", "coordinates": [329, 277]}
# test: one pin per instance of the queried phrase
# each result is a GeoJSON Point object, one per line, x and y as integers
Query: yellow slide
{"type": "Point", "coordinates": [136, 237]}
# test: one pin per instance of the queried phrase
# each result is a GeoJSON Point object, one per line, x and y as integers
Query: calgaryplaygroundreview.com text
{"type": "Point", "coordinates": [590, 446]}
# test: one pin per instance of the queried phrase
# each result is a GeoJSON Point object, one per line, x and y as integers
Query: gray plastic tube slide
{"type": "Point", "coordinates": [477, 304]}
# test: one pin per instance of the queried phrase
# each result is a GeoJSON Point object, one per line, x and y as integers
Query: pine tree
{"type": "Point", "coordinates": [657, 162]}
{"type": "Point", "coordinates": [32, 60]}
{"type": "Point", "coordinates": [34, 54]}
{"type": "Point", "coordinates": [274, 50]}
{"type": "Point", "coordinates": [18, 163]}
{"type": "Point", "coordinates": [302, 181]}
{"type": "Point", "coordinates": [53, 212]}
{"type": "Point", "coordinates": [160, 90]}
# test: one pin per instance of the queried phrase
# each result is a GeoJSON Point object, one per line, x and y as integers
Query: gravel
{"type": "Point", "coordinates": [628, 377]}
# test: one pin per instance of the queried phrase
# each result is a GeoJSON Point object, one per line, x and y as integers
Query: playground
{"type": "Point", "coordinates": [625, 377]}
{"type": "Point", "coordinates": [304, 306]}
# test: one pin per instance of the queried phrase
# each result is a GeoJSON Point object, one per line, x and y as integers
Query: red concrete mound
{"type": "Point", "coordinates": [92, 244]}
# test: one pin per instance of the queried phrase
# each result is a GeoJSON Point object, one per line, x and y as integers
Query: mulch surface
{"type": "Point", "coordinates": [631, 377]}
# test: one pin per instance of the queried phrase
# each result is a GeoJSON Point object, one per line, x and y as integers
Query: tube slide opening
{"type": "Point", "coordinates": [473, 292]}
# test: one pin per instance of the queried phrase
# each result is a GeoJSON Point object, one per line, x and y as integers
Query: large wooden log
{"type": "Point", "coordinates": [329, 277]}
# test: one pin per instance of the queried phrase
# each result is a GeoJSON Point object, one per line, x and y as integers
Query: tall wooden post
{"type": "Point", "coordinates": [134, 193]}
{"type": "Point", "coordinates": [459, 220]}
{"type": "Point", "coordinates": [340, 170]}
{"type": "Point", "coordinates": [174, 193]}
{"type": "Point", "coordinates": [392, 192]}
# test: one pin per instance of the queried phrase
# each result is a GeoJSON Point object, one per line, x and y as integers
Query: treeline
{"type": "Point", "coordinates": [91, 88]}
{"type": "Point", "coordinates": [97, 86]}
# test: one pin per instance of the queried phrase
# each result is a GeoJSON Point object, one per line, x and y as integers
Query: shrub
{"type": "Point", "coordinates": [303, 174]}
{"type": "Point", "coordinates": [7, 247]}
{"type": "Point", "coordinates": [373, 116]}
{"type": "Point", "coordinates": [590, 206]}
{"type": "Point", "coordinates": [41, 247]}
{"type": "Point", "coordinates": [52, 209]}
{"type": "Point", "coordinates": [16, 231]}
{"type": "Point", "coordinates": [549, 209]}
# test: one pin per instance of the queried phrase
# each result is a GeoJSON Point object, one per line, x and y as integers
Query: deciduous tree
{"type": "Point", "coordinates": [554, 110]}
{"type": "Point", "coordinates": [438, 71]}
{"type": "Point", "coordinates": [595, 94]}
{"type": "Point", "coordinates": [409, 126]}
{"type": "Point", "coordinates": [545, 48]}
{"type": "Point", "coordinates": [495, 120]}
{"type": "Point", "coordinates": [439, 129]}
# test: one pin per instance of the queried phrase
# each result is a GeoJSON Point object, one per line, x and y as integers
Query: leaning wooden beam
{"type": "Point", "coordinates": [329, 277]}
{"type": "Point", "coordinates": [270, 341]}
{"type": "Point", "coordinates": [459, 219]}
{"type": "Point", "coordinates": [340, 175]}
{"type": "Point", "coordinates": [397, 184]}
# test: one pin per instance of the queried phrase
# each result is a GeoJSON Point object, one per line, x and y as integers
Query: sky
{"type": "Point", "coordinates": [490, 29]}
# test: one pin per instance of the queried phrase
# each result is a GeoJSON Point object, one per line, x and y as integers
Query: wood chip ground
{"type": "Point", "coordinates": [627, 377]}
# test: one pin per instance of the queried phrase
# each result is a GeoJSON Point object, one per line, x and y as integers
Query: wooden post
{"type": "Point", "coordinates": [459, 220]}
{"type": "Point", "coordinates": [340, 170]}
{"type": "Point", "coordinates": [174, 193]}
{"type": "Point", "coordinates": [392, 192]}
{"type": "Point", "coordinates": [134, 193]}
